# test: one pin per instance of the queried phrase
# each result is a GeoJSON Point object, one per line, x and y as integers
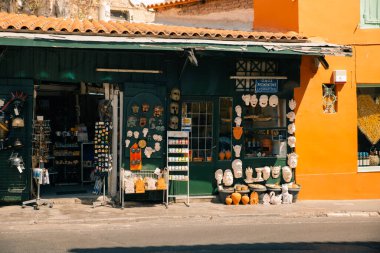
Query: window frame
{"type": "Point", "coordinates": [365, 5]}
{"type": "Point", "coordinates": [365, 169]}
{"type": "Point", "coordinates": [208, 113]}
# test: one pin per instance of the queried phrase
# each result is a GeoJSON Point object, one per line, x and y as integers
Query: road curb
{"type": "Point", "coordinates": [110, 220]}
{"type": "Point", "coordinates": [353, 214]}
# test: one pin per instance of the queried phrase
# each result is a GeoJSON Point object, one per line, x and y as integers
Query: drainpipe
{"type": "Point", "coordinates": [105, 10]}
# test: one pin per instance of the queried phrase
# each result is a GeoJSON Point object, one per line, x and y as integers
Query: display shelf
{"type": "Point", "coordinates": [177, 162]}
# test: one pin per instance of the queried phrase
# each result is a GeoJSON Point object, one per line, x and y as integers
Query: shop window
{"type": "Point", "coordinates": [225, 128]}
{"type": "Point", "coordinates": [201, 134]}
{"type": "Point", "coordinates": [329, 98]}
{"type": "Point", "coordinates": [368, 102]}
{"type": "Point", "coordinates": [370, 13]}
{"type": "Point", "coordinates": [265, 129]}
{"type": "Point", "coordinates": [252, 68]}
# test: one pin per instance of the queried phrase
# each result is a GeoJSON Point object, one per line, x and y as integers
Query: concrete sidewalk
{"type": "Point", "coordinates": [71, 213]}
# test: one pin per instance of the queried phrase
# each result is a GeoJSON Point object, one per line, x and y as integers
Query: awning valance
{"type": "Point", "coordinates": [167, 44]}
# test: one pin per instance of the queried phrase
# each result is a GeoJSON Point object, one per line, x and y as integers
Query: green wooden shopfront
{"type": "Point", "coordinates": [209, 94]}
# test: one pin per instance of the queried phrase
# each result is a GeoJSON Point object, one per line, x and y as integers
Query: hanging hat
{"type": "Point", "coordinates": [18, 122]}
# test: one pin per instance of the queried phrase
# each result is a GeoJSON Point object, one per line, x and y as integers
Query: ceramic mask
{"type": "Point", "coordinates": [143, 122]}
{"type": "Point", "coordinates": [237, 166]}
{"type": "Point", "coordinates": [246, 99]}
{"type": "Point", "coordinates": [136, 134]}
{"type": "Point", "coordinates": [237, 149]}
{"type": "Point", "coordinates": [292, 104]}
{"type": "Point", "coordinates": [152, 123]}
{"type": "Point", "coordinates": [248, 174]}
{"type": "Point", "coordinates": [175, 94]}
{"type": "Point", "coordinates": [157, 146]}
{"type": "Point", "coordinates": [129, 133]}
{"type": "Point", "coordinates": [148, 152]}
{"type": "Point", "coordinates": [218, 176]}
{"type": "Point", "coordinates": [259, 172]}
{"type": "Point", "coordinates": [292, 160]}
{"type": "Point", "coordinates": [238, 110]}
{"type": "Point", "coordinates": [173, 122]}
{"type": "Point", "coordinates": [254, 100]}
{"type": "Point", "coordinates": [276, 171]}
{"type": "Point", "coordinates": [291, 128]}
{"type": "Point", "coordinates": [174, 108]}
{"type": "Point", "coordinates": [145, 107]}
{"type": "Point", "coordinates": [263, 102]}
{"type": "Point", "coordinates": [145, 131]}
{"type": "Point", "coordinates": [135, 108]}
{"type": "Point", "coordinates": [228, 178]}
{"type": "Point", "coordinates": [287, 174]}
{"type": "Point", "coordinates": [127, 142]}
{"type": "Point", "coordinates": [273, 100]}
{"type": "Point", "coordinates": [266, 172]}
{"type": "Point", "coordinates": [291, 116]}
{"type": "Point", "coordinates": [158, 110]}
{"type": "Point", "coordinates": [292, 141]}
{"type": "Point", "coordinates": [131, 122]}
{"type": "Point", "coordinates": [238, 121]}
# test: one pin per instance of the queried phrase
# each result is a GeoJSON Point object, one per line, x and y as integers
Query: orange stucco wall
{"type": "Point", "coordinates": [327, 143]}
{"type": "Point", "coordinates": [275, 15]}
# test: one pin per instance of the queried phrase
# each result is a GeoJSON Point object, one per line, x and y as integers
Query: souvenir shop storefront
{"type": "Point", "coordinates": [233, 106]}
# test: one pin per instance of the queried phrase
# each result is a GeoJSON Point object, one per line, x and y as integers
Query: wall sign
{"type": "Point", "coordinates": [186, 124]}
{"type": "Point", "coordinates": [266, 86]}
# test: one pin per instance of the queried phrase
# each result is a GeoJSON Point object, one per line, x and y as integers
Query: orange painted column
{"type": "Point", "coordinates": [327, 143]}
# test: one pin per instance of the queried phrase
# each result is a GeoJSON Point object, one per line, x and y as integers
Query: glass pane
{"type": "Point", "coordinates": [209, 119]}
{"type": "Point", "coordinates": [201, 128]}
{"type": "Point", "coordinates": [208, 131]}
{"type": "Point", "coordinates": [209, 107]}
{"type": "Point", "coordinates": [202, 107]}
{"type": "Point", "coordinates": [195, 108]}
{"type": "Point", "coordinates": [202, 120]}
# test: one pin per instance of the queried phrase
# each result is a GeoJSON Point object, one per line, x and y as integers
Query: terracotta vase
{"type": "Point", "coordinates": [228, 155]}
{"type": "Point", "coordinates": [237, 132]}
{"type": "Point", "coordinates": [221, 155]}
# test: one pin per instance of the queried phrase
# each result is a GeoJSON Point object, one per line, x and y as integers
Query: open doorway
{"type": "Point", "coordinates": [69, 112]}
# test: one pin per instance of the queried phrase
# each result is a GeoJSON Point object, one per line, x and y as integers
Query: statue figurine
{"type": "Point", "coordinates": [259, 177]}
{"type": "Point", "coordinates": [266, 199]}
{"type": "Point", "coordinates": [287, 198]}
{"type": "Point", "coordinates": [219, 178]}
{"type": "Point", "coordinates": [275, 200]}
{"type": "Point", "coordinates": [248, 175]}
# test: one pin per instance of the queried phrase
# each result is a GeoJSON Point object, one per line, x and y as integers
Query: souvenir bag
{"type": "Point", "coordinates": [135, 157]}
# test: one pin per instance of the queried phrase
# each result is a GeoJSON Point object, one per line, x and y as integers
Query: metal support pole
{"type": "Point", "coordinates": [113, 180]}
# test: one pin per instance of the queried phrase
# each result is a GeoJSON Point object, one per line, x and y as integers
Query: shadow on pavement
{"type": "Point", "coordinates": [255, 247]}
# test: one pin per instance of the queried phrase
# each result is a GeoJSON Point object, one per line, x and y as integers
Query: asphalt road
{"type": "Point", "coordinates": [269, 234]}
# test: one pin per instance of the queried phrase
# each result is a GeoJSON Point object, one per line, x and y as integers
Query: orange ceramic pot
{"type": "Point", "coordinates": [228, 155]}
{"type": "Point", "coordinates": [221, 155]}
{"type": "Point", "coordinates": [237, 132]}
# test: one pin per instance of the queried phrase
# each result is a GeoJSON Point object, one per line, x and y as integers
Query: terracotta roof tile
{"type": "Point", "coordinates": [25, 23]}
{"type": "Point", "coordinates": [170, 3]}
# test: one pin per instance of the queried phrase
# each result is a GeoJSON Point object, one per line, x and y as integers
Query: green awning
{"type": "Point", "coordinates": [165, 44]}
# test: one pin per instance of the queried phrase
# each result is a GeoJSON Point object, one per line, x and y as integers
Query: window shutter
{"type": "Point", "coordinates": [371, 14]}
